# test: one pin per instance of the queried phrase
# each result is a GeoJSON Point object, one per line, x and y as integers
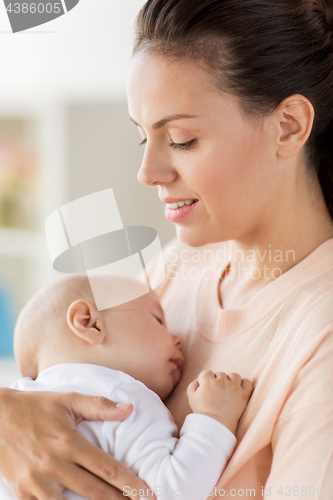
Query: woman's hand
{"type": "Point", "coordinates": [41, 451]}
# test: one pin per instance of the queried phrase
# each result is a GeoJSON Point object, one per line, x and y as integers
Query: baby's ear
{"type": "Point", "coordinates": [84, 320]}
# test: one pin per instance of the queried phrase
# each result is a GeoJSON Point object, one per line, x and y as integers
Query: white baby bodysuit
{"type": "Point", "coordinates": [185, 469]}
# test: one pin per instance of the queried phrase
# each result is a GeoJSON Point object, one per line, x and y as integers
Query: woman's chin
{"type": "Point", "coordinates": [192, 237]}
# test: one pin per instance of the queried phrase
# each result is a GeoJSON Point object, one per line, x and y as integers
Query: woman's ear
{"type": "Point", "coordinates": [295, 115]}
{"type": "Point", "coordinates": [84, 320]}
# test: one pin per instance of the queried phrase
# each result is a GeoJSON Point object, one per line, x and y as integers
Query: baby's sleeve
{"type": "Point", "coordinates": [186, 468]}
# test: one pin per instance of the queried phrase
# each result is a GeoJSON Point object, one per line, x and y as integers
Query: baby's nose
{"type": "Point", "coordinates": [178, 341]}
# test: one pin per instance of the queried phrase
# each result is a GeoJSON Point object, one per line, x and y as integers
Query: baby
{"type": "Point", "coordinates": [125, 353]}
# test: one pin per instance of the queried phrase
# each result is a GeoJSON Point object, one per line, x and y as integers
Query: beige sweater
{"type": "Point", "coordinates": [282, 339]}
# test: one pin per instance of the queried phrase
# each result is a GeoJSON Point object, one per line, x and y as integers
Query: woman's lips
{"type": "Point", "coordinates": [179, 214]}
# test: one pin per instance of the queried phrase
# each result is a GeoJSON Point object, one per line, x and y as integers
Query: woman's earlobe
{"type": "Point", "coordinates": [296, 116]}
{"type": "Point", "coordinates": [85, 322]}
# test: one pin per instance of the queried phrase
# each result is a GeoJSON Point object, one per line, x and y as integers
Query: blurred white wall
{"type": "Point", "coordinates": [84, 51]}
{"type": "Point", "coordinates": [68, 78]}
{"type": "Point", "coordinates": [103, 151]}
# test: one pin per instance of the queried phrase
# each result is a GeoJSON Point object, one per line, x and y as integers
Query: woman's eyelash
{"type": "Point", "coordinates": [184, 145]}
{"type": "Point", "coordinates": [175, 145]}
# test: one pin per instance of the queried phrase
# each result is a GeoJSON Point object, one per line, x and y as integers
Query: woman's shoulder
{"type": "Point", "coordinates": [315, 299]}
{"type": "Point", "coordinates": [311, 282]}
{"type": "Point", "coordinates": [304, 320]}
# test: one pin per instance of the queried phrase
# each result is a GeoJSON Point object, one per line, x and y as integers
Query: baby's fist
{"type": "Point", "coordinates": [220, 396]}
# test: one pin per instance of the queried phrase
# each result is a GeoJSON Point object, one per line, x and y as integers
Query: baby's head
{"type": "Point", "coordinates": [61, 324]}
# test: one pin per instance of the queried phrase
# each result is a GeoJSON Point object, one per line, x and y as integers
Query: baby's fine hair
{"type": "Point", "coordinates": [43, 316]}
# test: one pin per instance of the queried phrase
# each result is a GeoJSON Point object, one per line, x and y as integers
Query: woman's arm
{"type": "Point", "coordinates": [302, 438]}
{"type": "Point", "coordinates": [41, 451]}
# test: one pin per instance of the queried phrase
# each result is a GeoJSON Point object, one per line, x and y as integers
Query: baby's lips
{"type": "Point", "coordinates": [179, 362]}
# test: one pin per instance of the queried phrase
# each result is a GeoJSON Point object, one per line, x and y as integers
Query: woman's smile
{"type": "Point", "coordinates": [177, 209]}
{"type": "Point", "coordinates": [180, 213]}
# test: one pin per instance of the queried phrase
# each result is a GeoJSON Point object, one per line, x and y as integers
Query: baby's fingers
{"type": "Point", "coordinates": [247, 386]}
{"type": "Point", "coordinates": [235, 377]}
{"type": "Point", "coordinates": [208, 375]}
{"type": "Point", "coordinates": [192, 387]}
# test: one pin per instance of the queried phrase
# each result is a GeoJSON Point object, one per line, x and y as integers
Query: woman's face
{"type": "Point", "coordinates": [199, 147]}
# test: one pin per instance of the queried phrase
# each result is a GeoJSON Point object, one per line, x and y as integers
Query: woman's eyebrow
{"type": "Point", "coordinates": [166, 120]}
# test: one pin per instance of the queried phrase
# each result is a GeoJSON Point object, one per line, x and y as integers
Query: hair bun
{"type": "Point", "coordinates": [325, 8]}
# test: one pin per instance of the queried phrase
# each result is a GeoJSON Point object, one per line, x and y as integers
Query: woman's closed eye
{"type": "Point", "coordinates": [182, 145]}
{"type": "Point", "coordinates": [175, 145]}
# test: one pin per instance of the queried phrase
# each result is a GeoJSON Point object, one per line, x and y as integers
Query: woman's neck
{"type": "Point", "coordinates": [299, 227]}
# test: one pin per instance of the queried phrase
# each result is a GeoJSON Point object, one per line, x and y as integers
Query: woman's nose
{"type": "Point", "coordinates": [178, 341]}
{"type": "Point", "coordinates": [154, 169]}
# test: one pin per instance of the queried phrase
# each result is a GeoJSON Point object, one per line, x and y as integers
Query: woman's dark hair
{"type": "Point", "coordinates": [261, 51]}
